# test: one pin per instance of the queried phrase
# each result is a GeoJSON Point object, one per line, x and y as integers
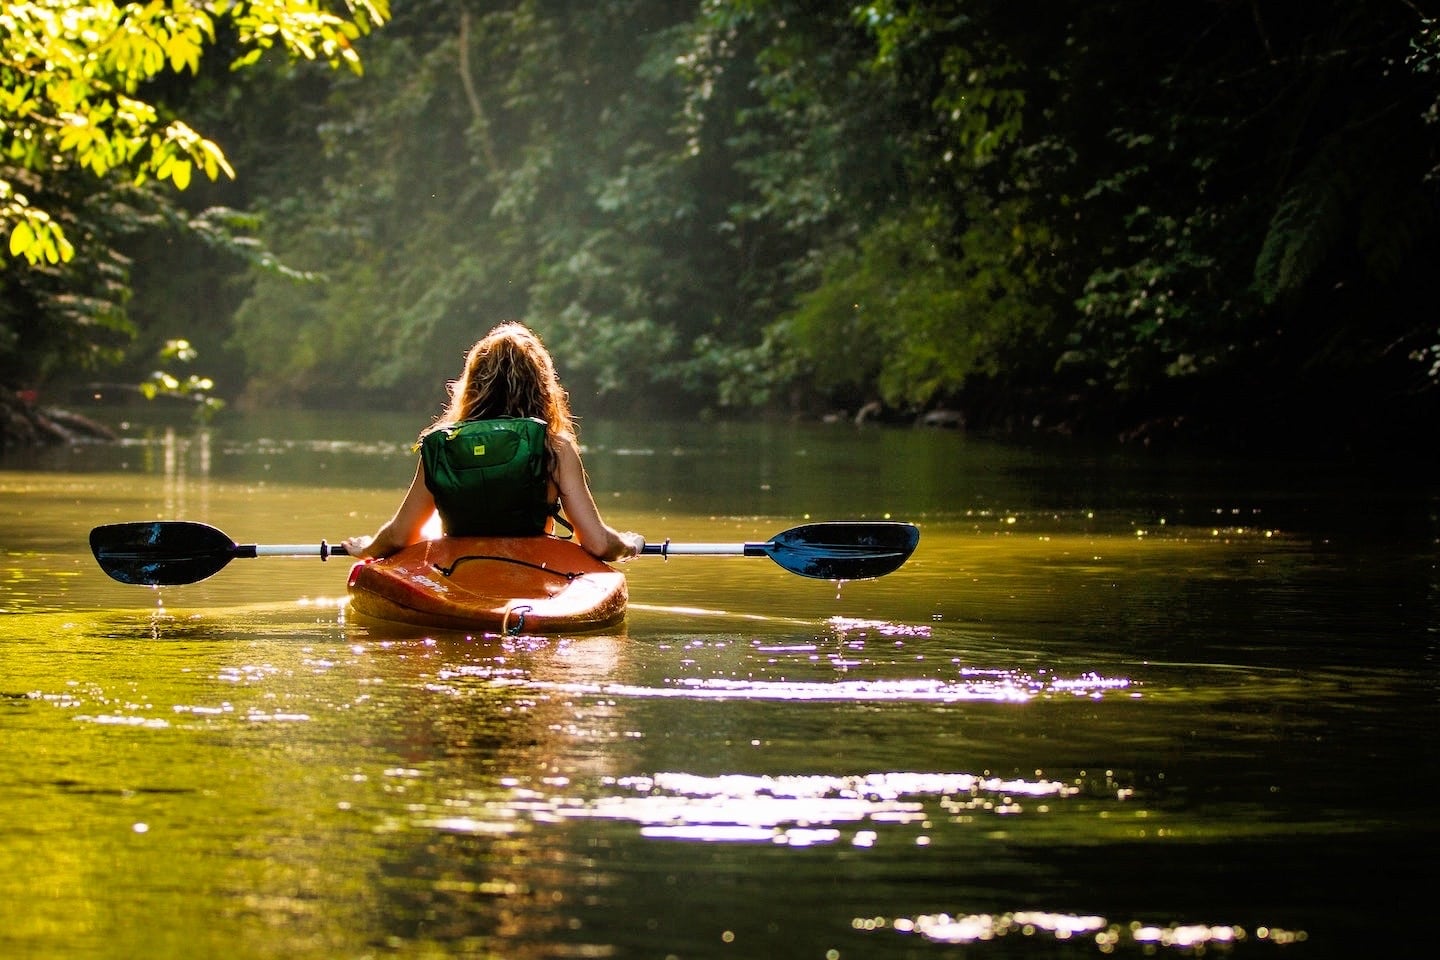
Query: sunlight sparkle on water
{"type": "Point", "coordinates": [121, 720]}
{"type": "Point", "coordinates": [975, 685]}
{"type": "Point", "coordinates": [1183, 938]}
{"type": "Point", "coordinates": [795, 811]}
{"type": "Point", "coordinates": [884, 628]}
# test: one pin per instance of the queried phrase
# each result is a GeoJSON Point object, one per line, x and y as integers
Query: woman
{"type": "Point", "coordinates": [508, 373]}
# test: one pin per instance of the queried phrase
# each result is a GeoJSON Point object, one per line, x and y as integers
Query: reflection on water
{"type": "Point", "coordinates": [1108, 708]}
{"type": "Point", "coordinates": [1000, 685]}
{"type": "Point", "coordinates": [785, 809]}
{"type": "Point", "coordinates": [1107, 936]}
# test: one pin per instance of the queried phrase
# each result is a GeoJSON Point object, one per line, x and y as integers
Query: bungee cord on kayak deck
{"type": "Point", "coordinates": [449, 570]}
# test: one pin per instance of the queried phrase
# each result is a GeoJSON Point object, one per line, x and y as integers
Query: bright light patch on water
{"type": "Point", "coordinates": [325, 603]}
{"type": "Point", "coordinates": [976, 685]}
{"type": "Point", "coordinates": [1189, 939]}
{"type": "Point", "coordinates": [197, 711]}
{"type": "Point", "coordinates": [757, 817]}
{"type": "Point", "coordinates": [795, 811]}
{"type": "Point", "coordinates": [943, 928]}
{"type": "Point", "coordinates": [711, 833]}
{"type": "Point", "coordinates": [884, 628]}
{"type": "Point", "coordinates": [469, 825]}
{"type": "Point", "coordinates": [248, 673]}
{"type": "Point", "coordinates": [260, 716]}
{"type": "Point", "coordinates": [1006, 689]}
{"type": "Point", "coordinates": [498, 674]}
{"type": "Point", "coordinates": [876, 786]}
{"type": "Point", "coordinates": [722, 833]}
{"type": "Point", "coordinates": [124, 720]}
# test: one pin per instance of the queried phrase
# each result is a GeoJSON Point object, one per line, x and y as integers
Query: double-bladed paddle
{"type": "Point", "coordinates": [171, 552]}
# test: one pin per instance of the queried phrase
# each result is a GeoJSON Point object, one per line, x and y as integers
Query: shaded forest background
{"type": "Point", "coordinates": [1204, 220]}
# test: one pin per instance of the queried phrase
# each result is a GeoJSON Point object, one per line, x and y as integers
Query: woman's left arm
{"type": "Point", "coordinates": [597, 537]}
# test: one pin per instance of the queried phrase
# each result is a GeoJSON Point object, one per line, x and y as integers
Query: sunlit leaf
{"type": "Point", "coordinates": [215, 161]}
{"type": "Point", "coordinates": [21, 236]}
{"type": "Point", "coordinates": [180, 173]}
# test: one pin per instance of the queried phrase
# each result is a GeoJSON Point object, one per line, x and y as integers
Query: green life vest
{"type": "Point", "coordinates": [488, 477]}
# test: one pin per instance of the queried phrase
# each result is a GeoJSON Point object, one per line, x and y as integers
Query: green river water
{"type": "Point", "coordinates": [1114, 705]}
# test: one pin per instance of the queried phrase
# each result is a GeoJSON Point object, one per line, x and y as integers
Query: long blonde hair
{"type": "Point", "coordinates": [509, 373]}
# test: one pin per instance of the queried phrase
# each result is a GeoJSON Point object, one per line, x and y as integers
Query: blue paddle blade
{"type": "Point", "coordinates": [161, 553]}
{"type": "Point", "coordinates": [842, 550]}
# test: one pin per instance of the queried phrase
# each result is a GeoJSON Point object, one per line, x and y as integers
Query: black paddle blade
{"type": "Point", "coordinates": [162, 553]}
{"type": "Point", "coordinates": [844, 550]}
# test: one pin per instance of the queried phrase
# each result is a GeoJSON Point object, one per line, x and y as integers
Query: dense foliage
{"type": "Point", "coordinates": [1108, 217]}
{"type": "Point", "coordinates": [85, 135]}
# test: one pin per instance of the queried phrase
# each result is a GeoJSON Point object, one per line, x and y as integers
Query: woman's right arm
{"type": "Point", "coordinates": [402, 529]}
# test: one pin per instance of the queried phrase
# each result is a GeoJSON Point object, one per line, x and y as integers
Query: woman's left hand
{"type": "Point", "coordinates": [357, 546]}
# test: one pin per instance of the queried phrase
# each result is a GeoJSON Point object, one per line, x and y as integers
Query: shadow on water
{"type": "Point", "coordinates": [1110, 707]}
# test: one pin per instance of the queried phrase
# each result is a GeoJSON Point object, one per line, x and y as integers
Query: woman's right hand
{"type": "Point", "coordinates": [634, 544]}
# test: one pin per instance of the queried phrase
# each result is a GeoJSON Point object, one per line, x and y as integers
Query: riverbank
{"type": "Point", "coordinates": [23, 423]}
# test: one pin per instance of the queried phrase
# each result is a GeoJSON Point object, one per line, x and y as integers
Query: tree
{"type": "Point", "coordinates": [1076, 217]}
{"type": "Point", "coordinates": [513, 162]}
{"type": "Point", "coordinates": [84, 141]}
{"type": "Point", "coordinates": [1219, 212]}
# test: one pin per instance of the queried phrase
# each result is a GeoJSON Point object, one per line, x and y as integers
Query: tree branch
{"type": "Point", "coordinates": [482, 123]}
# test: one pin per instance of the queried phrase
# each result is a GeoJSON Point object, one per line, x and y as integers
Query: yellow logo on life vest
{"type": "Point", "coordinates": [479, 449]}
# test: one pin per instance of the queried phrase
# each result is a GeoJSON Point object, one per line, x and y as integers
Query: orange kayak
{"type": "Point", "coordinates": [491, 584]}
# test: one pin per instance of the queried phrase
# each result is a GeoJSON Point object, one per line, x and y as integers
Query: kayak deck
{"type": "Point", "coordinates": [491, 584]}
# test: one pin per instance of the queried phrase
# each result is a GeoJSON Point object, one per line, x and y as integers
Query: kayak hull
{"type": "Point", "coordinates": [491, 584]}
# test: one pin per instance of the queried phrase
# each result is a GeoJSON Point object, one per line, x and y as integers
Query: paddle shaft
{"type": "Point", "coordinates": [245, 551]}
{"type": "Point", "coordinates": [707, 549]}
{"type": "Point", "coordinates": [324, 550]}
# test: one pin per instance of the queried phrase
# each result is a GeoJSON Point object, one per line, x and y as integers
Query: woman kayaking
{"type": "Point", "coordinates": [503, 459]}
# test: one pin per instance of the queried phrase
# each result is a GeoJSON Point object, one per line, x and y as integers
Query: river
{"type": "Point", "coordinates": [1116, 704]}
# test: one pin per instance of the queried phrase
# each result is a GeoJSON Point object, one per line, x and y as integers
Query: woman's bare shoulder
{"type": "Point", "coordinates": [565, 448]}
